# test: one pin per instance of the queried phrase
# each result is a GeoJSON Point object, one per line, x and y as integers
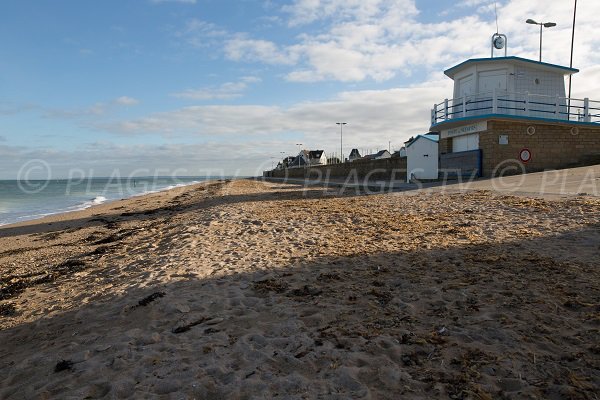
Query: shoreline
{"type": "Point", "coordinates": [241, 289]}
{"type": "Point", "coordinates": [105, 202]}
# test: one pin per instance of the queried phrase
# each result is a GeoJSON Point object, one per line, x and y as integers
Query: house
{"type": "Point", "coordinates": [399, 153]}
{"type": "Point", "coordinates": [378, 156]}
{"type": "Point", "coordinates": [297, 162]}
{"type": "Point", "coordinates": [313, 157]}
{"type": "Point", "coordinates": [513, 110]}
{"type": "Point", "coordinates": [288, 161]}
{"type": "Point", "coordinates": [422, 157]}
{"type": "Point", "coordinates": [354, 155]}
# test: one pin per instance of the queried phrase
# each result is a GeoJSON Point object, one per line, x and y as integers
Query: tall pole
{"type": "Point", "coordinates": [341, 124]}
{"type": "Point", "coordinates": [298, 144]}
{"type": "Point", "coordinates": [541, 26]}
{"type": "Point", "coordinates": [571, 62]}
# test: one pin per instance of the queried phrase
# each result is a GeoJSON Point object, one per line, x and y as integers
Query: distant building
{"type": "Point", "coordinates": [399, 153]}
{"type": "Point", "coordinates": [312, 157]}
{"type": "Point", "coordinates": [288, 162]}
{"type": "Point", "coordinates": [354, 155]}
{"type": "Point", "coordinates": [422, 157]}
{"type": "Point", "coordinates": [378, 156]}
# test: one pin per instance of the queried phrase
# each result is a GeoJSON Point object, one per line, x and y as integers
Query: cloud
{"type": "Point", "coordinates": [200, 34]}
{"type": "Point", "coordinates": [126, 101]}
{"type": "Point", "coordinates": [228, 90]}
{"type": "Point", "coordinates": [2, 138]}
{"type": "Point", "coordinates": [243, 49]}
{"type": "Point", "coordinates": [378, 40]}
{"type": "Point", "coordinates": [374, 117]}
{"type": "Point", "coordinates": [96, 110]}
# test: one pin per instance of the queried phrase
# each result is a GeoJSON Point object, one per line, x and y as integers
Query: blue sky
{"type": "Point", "coordinates": [221, 86]}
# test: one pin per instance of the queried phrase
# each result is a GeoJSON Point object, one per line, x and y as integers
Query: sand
{"type": "Point", "coordinates": [252, 290]}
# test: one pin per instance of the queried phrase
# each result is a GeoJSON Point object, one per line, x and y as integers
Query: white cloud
{"type": "Point", "coordinates": [240, 48]}
{"type": "Point", "coordinates": [126, 101]}
{"type": "Point", "coordinates": [373, 117]}
{"type": "Point", "coordinates": [228, 90]}
{"type": "Point", "coordinates": [380, 39]}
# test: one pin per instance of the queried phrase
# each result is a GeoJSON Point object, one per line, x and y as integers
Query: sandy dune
{"type": "Point", "coordinates": [245, 290]}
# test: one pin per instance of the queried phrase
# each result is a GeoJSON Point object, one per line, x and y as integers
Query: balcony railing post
{"type": "Point", "coordinates": [464, 110]}
{"type": "Point", "coordinates": [434, 114]}
{"type": "Point", "coordinates": [527, 104]}
{"type": "Point", "coordinates": [557, 107]}
{"type": "Point", "coordinates": [494, 102]}
{"type": "Point", "coordinates": [446, 109]}
{"type": "Point", "coordinates": [586, 110]}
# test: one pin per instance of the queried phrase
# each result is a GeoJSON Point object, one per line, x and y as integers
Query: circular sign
{"type": "Point", "coordinates": [525, 155]}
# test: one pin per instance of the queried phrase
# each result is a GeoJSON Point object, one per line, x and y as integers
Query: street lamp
{"type": "Point", "coordinates": [341, 124]}
{"type": "Point", "coordinates": [298, 144]}
{"type": "Point", "coordinates": [542, 25]}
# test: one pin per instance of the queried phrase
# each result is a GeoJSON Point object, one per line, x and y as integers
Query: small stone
{"type": "Point", "coordinates": [183, 308]}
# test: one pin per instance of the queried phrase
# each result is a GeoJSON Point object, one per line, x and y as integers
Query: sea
{"type": "Point", "coordinates": [26, 200]}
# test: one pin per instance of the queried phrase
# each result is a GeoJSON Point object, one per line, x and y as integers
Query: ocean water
{"type": "Point", "coordinates": [26, 200]}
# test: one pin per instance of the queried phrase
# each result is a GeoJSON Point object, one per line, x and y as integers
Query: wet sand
{"type": "Point", "coordinates": [246, 289]}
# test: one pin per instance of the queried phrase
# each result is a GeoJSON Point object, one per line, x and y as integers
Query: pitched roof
{"type": "Point", "coordinates": [354, 153]}
{"type": "Point", "coordinates": [433, 137]}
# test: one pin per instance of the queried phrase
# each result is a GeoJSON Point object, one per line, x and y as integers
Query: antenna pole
{"type": "Point", "coordinates": [571, 62]}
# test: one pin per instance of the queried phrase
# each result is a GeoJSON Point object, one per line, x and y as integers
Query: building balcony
{"type": "Point", "coordinates": [515, 105]}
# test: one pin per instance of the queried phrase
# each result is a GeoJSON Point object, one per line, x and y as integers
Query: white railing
{"type": "Point", "coordinates": [519, 104]}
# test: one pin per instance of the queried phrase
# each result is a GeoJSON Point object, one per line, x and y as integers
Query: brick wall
{"type": "Point", "coordinates": [386, 169]}
{"type": "Point", "coordinates": [552, 146]}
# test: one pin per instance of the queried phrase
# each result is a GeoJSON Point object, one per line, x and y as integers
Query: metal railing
{"type": "Point", "coordinates": [518, 104]}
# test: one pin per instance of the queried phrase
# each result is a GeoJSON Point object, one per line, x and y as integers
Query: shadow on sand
{"type": "Point", "coordinates": [478, 321]}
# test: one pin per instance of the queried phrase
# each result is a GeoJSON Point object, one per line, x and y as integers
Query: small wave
{"type": "Point", "coordinates": [98, 200]}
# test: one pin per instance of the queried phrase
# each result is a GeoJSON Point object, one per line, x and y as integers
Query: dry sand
{"type": "Point", "coordinates": [244, 289]}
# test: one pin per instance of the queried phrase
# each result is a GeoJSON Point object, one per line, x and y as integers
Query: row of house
{"type": "Point", "coordinates": [310, 158]}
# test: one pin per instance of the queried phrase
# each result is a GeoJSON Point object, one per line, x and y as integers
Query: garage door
{"type": "Point", "coordinates": [465, 143]}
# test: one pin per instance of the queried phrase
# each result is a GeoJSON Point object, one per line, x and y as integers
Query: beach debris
{"type": "Point", "coordinates": [103, 347]}
{"type": "Point", "coordinates": [71, 265]}
{"type": "Point", "coordinates": [63, 365]}
{"type": "Point", "coordinates": [306, 290]}
{"type": "Point", "coordinates": [270, 285]}
{"type": "Point", "coordinates": [383, 297]}
{"type": "Point", "coordinates": [187, 327]}
{"type": "Point", "coordinates": [7, 309]}
{"type": "Point", "coordinates": [149, 299]}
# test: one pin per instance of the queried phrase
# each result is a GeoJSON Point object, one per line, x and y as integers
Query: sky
{"type": "Point", "coordinates": [223, 87]}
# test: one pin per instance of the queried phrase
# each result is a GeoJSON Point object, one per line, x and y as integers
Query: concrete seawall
{"type": "Point", "coordinates": [385, 169]}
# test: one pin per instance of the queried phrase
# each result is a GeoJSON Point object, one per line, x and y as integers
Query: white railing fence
{"type": "Point", "coordinates": [519, 104]}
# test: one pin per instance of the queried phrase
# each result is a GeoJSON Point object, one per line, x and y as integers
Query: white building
{"type": "Point", "coordinates": [422, 157]}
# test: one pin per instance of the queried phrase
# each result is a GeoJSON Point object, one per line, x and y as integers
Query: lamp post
{"type": "Point", "coordinates": [299, 145]}
{"type": "Point", "coordinates": [542, 25]}
{"type": "Point", "coordinates": [341, 124]}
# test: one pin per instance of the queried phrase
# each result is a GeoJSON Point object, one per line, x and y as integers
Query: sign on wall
{"type": "Point", "coordinates": [503, 139]}
{"type": "Point", "coordinates": [525, 155]}
{"type": "Point", "coordinates": [464, 130]}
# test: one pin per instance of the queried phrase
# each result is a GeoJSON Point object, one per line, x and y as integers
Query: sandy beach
{"type": "Point", "coordinates": [250, 290]}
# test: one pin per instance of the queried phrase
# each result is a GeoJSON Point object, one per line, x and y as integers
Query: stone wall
{"type": "Point", "coordinates": [552, 146]}
{"type": "Point", "coordinates": [386, 169]}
